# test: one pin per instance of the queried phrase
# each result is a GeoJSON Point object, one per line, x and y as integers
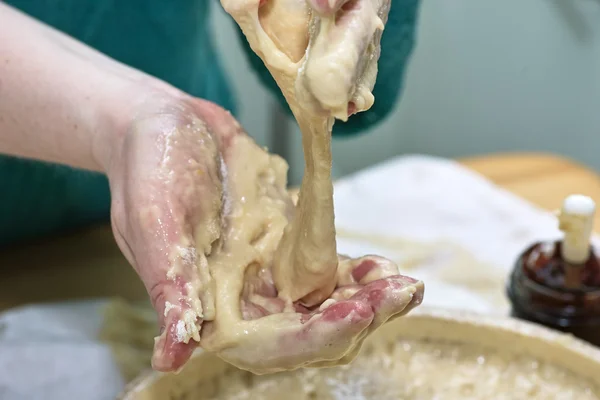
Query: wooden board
{"type": "Point", "coordinates": [542, 179]}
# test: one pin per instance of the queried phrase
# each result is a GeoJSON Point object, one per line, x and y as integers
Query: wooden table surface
{"type": "Point", "coordinates": [89, 264]}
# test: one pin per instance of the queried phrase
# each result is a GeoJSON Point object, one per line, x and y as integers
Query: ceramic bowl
{"type": "Point", "coordinates": [494, 332]}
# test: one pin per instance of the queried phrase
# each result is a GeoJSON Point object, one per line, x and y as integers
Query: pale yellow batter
{"type": "Point", "coordinates": [411, 370]}
{"type": "Point", "coordinates": [274, 294]}
{"type": "Point", "coordinates": [321, 64]}
{"type": "Point", "coordinates": [253, 338]}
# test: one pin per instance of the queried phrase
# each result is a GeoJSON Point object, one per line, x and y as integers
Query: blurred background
{"type": "Point", "coordinates": [486, 76]}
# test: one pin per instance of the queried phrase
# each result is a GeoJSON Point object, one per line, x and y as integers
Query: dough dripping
{"type": "Point", "coordinates": [323, 65]}
{"type": "Point", "coordinates": [274, 293]}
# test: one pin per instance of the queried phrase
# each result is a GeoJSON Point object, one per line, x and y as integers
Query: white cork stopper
{"type": "Point", "coordinates": [576, 220]}
{"type": "Point", "coordinates": [580, 205]}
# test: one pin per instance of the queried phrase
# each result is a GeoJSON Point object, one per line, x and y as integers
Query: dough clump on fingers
{"type": "Point", "coordinates": [283, 298]}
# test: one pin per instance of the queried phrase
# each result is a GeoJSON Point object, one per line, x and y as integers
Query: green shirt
{"type": "Point", "coordinates": [170, 39]}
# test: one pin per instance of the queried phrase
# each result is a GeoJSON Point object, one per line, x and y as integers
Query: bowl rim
{"type": "Point", "coordinates": [500, 322]}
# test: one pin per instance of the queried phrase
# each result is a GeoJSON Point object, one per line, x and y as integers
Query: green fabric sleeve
{"type": "Point", "coordinates": [168, 39]}
{"type": "Point", "coordinates": [397, 44]}
{"type": "Point", "coordinates": [40, 199]}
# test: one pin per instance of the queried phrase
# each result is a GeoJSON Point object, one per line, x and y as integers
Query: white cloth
{"type": "Point", "coordinates": [50, 351]}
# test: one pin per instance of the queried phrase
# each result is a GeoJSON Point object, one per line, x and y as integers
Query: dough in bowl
{"type": "Point", "coordinates": [412, 370]}
{"type": "Point", "coordinates": [430, 354]}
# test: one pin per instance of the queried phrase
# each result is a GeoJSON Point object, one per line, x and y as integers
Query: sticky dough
{"type": "Point", "coordinates": [320, 70]}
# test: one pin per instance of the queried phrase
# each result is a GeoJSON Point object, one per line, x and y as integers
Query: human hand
{"type": "Point", "coordinates": [336, 43]}
{"type": "Point", "coordinates": [171, 173]}
{"type": "Point", "coordinates": [344, 49]}
{"type": "Point", "coordinates": [166, 188]}
{"type": "Point", "coordinates": [369, 292]}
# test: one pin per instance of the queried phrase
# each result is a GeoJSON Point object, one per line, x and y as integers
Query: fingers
{"type": "Point", "coordinates": [340, 72]}
{"type": "Point", "coordinates": [177, 342]}
{"type": "Point", "coordinates": [387, 297]}
{"type": "Point", "coordinates": [172, 278]}
{"type": "Point", "coordinates": [391, 297]}
{"type": "Point", "coordinates": [331, 335]}
{"type": "Point", "coordinates": [352, 109]}
{"type": "Point", "coordinates": [179, 308]}
{"type": "Point", "coordinates": [364, 270]}
{"type": "Point", "coordinates": [287, 341]}
{"type": "Point", "coordinates": [378, 282]}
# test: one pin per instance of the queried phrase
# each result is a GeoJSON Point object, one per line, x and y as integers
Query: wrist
{"type": "Point", "coordinates": [111, 122]}
{"type": "Point", "coordinates": [128, 100]}
{"type": "Point", "coordinates": [119, 105]}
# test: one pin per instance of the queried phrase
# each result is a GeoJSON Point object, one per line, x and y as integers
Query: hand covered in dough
{"type": "Point", "coordinates": [341, 68]}
{"type": "Point", "coordinates": [198, 209]}
{"type": "Point", "coordinates": [369, 292]}
{"type": "Point", "coordinates": [334, 45]}
{"type": "Point", "coordinates": [166, 179]}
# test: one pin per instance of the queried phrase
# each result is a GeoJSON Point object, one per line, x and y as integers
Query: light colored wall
{"type": "Point", "coordinates": [486, 76]}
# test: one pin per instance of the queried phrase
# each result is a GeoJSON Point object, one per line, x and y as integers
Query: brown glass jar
{"type": "Point", "coordinates": [545, 289]}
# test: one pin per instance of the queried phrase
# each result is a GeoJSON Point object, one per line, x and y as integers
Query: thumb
{"type": "Point", "coordinates": [179, 311]}
{"type": "Point", "coordinates": [165, 271]}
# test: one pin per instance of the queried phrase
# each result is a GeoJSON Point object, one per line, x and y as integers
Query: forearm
{"type": "Point", "coordinates": [60, 101]}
